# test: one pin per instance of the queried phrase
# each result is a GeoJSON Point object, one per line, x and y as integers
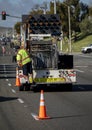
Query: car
{"type": "Point", "coordinates": [87, 49]}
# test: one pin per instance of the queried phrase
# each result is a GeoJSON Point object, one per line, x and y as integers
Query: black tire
{"type": "Point", "coordinates": [69, 87]}
{"type": "Point", "coordinates": [21, 88]}
{"type": "Point", "coordinates": [27, 87]}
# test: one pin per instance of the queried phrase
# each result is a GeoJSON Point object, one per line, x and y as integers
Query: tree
{"type": "Point", "coordinates": [86, 26]}
{"type": "Point", "coordinates": [90, 11]}
{"type": "Point", "coordinates": [84, 11]}
{"type": "Point", "coordinates": [36, 12]}
{"type": "Point", "coordinates": [17, 27]}
{"type": "Point", "coordinates": [78, 11]}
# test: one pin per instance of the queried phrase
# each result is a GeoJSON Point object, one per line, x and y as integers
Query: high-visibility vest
{"type": "Point", "coordinates": [23, 57]}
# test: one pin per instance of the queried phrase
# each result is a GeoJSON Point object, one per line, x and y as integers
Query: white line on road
{"type": "Point", "coordinates": [20, 100]}
{"type": "Point", "coordinates": [13, 91]}
{"type": "Point", "coordinates": [9, 84]}
{"type": "Point", "coordinates": [78, 66]}
{"type": "Point", "coordinates": [85, 56]}
{"type": "Point", "coordinates": [7, 79]}
{"type": "Point", "coordinates": [79, 71]}
{"type": "Point", "coordinates": [35, 116]}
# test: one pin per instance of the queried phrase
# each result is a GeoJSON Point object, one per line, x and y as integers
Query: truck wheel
{"type": "Point", "coordinates": [69, 87]}
{"type": "Point", "coordinates": [27, 87]}
{"type": "Point", "coordinates": [21, 88]}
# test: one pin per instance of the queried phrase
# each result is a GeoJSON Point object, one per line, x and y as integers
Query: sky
{"type": "Point", "coordinates": [20, 7]}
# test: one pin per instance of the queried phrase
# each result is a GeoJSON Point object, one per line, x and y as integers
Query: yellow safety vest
{"type": "Point", "coordinates": [23, 57]}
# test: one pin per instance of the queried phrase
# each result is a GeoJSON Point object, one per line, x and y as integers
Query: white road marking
{"type": "Point", "coordinates": [9, 84]}
{"type": "Point", "coordinates": [85, 56]}
{"type": "Point", "coordinates": [13, 91]}
{"type": "Point", "coordinates": [7, 79]}
{"type": "Point", "coordinates": [79, 71]}
{"type": "Point", "coordinates": [25, 106]}
{"type": "Point", "coordinates": [81, 66]}
{"type": "Point", "coordinates": [20, 100]}
{"type": "Point", "coordinates": [35, 116]}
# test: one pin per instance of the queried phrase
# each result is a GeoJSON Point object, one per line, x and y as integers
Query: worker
{"type": "Point", "coordinates": [24, 61]}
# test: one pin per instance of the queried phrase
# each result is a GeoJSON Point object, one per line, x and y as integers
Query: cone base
{"type": "Point", "coordinates": [17, 85]}
{"type": "Point", "coordinates": [42, 118]}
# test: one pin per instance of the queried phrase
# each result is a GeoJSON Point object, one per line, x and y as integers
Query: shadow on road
{"type": "Point", "coordinates": [82, 87]}
{"type": "Point", "coordinates": [64, 88]}
{"type": "Point", "coordinates": [53, 88]}
{"type": "Point", "coordinates": [3, 99]}
{"type": "Point", "coordinates": [69, 116]}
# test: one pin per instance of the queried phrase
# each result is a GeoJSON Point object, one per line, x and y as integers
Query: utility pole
{"type": "Point", "coordinates": [69, 23]}
{"type": "Point", "coordinates": [70, 49]}
{"type": "Point", "coordinates": [54, 2]}
{"type": "Point", "coordinates": [54, 6]}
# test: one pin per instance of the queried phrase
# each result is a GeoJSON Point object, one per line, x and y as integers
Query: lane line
{"type": "Point", "coordinates": [34, 116]}
{"type": "Point", "coordinates": [85, 56]}
{"type": "Point", "coordinates": [78, 66]}
{"type": "Point", "coordinates": [7, 79]}
{"type": "Point", "coordinates": [13, 91]}
{"type": "Point", "coordinates": [20, 100]}
{"type": "Point", "coordinates": [79, 71]}
{"type": "Point", "coordinates": [9, 84]}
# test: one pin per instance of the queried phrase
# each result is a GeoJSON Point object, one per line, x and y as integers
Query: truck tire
{"type": "Point", "coordinates": [27, 87]}
{"type": "Point", "coordinates": [21, 88]}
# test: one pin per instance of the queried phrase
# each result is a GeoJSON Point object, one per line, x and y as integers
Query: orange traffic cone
{"type": "Point", "coordinates": [42, 109]}
{"type": "Point", "coordinates": [18, 84]}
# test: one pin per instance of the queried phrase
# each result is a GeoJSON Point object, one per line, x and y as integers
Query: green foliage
{"type": "Point", "coordinates": [84, 10]}
{"type": "Point", "coordinates": [36, 12]}
{"type": "Point", "coordinates": [86, 26]}
{"type": "Point", "coordinates": [17, 27]}
{"type": "Point", "coordinates": [78, 11]}
{"type": "Point", "coordinates": [90, 11]}
{"type": "Point", "coordinates": [76, 46]}
{"type": "Point", "coordinates": [51, 8]}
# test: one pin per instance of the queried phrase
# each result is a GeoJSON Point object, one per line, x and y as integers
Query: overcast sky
{"type": "Point", "coordinates": [19, 7]}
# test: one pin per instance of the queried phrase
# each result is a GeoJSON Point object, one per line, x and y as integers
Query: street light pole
{"type": "Point", "coordinates": [54, 1]}
{"type": "Point", "coordinates": [54, 6]}
{"type": "Point", "coordinates": [69, 22]}
{"type": "Point", "coordinates": [69, 29]}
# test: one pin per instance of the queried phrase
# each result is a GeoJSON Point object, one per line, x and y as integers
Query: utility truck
{"type": "Point", "coordinates": [42, 35]}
